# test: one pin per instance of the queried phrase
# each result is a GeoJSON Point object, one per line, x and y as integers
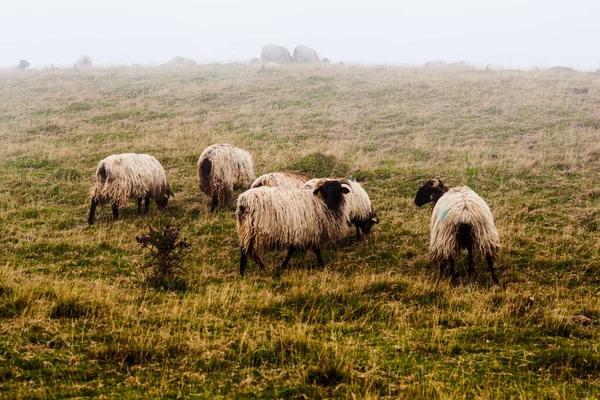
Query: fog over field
{"type": "Point", "coordinates": [507, 33]}
{"type": "Point", "coordinates": [101, 299]}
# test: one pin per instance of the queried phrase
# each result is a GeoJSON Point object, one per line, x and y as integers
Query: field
{"type": "Point", "coordinates": [76, 318]}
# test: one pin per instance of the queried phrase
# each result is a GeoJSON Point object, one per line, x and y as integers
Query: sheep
{"type": "Point", "coordinates": [271, 218]}
{"type": "Point", "coordinates": [121, 177]}
{"type": "Point", "coordinates": [222, 168]}
{"type": "Point", "coordinates": [360, 210]}
{"type": "Point", "coordinates": [460, 220]}
{"type": "Point", "coordinates": [284, 180]}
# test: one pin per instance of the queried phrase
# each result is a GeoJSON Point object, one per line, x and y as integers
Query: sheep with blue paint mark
{"type": "Point", "coordinates": [460, 220]}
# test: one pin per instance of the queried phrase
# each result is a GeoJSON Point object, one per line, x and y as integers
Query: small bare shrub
{"type": "Point", "coordinates": [165, 268]}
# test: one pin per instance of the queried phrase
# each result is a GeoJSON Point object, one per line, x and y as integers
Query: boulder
{"type": "Point", "coordinates": [276, 54]}
{"type": "Point", "coordinates": [305, 55]}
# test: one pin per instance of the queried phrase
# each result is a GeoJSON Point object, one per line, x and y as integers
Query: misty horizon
{"type": "Point", "coordinates": [504, 34]}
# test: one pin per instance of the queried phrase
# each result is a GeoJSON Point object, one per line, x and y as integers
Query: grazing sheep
{"type": "Point", "coordinates": [360, 210]}
{"type": "Point", "coordinates": [121, 177]}
{"type": "Point", "coordinates": [284, 180]}
{"type": "Point", "coordinates": [273, 218]}
{"type": "Point", "coordinates": [222, 168]}
{"type": "Point", "coordinates": [460, 220]}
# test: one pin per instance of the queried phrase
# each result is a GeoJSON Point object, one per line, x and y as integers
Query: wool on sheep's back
{"type": "Point", "coordinates": [461, 205]}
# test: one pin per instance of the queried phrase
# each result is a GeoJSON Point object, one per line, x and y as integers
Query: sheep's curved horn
{"type": "Point", "coordinates": [346, 182]}
{"type": "Point", "coordinates": [434, 183]}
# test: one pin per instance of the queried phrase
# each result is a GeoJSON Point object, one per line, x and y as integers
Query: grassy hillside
{"type": "Point", "coordinates": [76, 319]}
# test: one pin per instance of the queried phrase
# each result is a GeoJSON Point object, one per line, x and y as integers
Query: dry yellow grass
{"type": "Point", "coordinates": [76, 321]}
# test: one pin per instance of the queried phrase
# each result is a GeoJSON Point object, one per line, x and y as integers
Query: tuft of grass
{"type": "Point", "coordinates": [320, 165]}
{"type": "Point", "coordinates": [78, 106]}
{"type": "Point", "coordinates": [49, 127]}
{"type": "Point", "coordinates": [562, 362]}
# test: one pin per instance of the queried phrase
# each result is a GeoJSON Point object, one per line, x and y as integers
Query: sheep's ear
{"type": "Point", "coordinates": [374, 218]}
{"type": "Point", "coordinates": [317, 192]}
{"type": "Point", "coordinates": [345, 190]}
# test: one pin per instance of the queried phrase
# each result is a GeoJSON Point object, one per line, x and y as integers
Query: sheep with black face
{"type": "Point", "coordinates": [121, 177]}
{"type": "Point", "coordinates": [360, 209]}
{"type": "Point", "coordinates": [460, 220]}
{"type": "Point", "coordinates": [270, 218]}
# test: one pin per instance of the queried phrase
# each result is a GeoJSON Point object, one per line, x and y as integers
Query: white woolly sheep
{"type": "Point", "coordinates": [284, 180]}
{"type": "Point", "coordinates": [121, 177]}
{"type": "Point", "coordinates": [273, 218]}
{"type": "Point", "coordinates": [360, 210]}
{"type": "Point", "coordinates": [460, 220]}
{"type": "Point", "coordinates": [223, 168]}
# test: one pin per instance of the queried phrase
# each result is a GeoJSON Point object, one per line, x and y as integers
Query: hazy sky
{"type": "Point", "coordinates": [517, 33]}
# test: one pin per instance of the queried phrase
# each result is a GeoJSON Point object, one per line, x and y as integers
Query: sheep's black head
{"type": "Point", "coordinates": [369, 224]}
{"type": "Point", "coordinates": [163, 200]}
{"type": "Point", "coordinates": [431, 191]}
{"type": "Point", "coordinates": [332, 192]}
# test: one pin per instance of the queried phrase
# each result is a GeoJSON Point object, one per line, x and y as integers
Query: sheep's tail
{"type": "Point", "coordinates": [205, 169]}
{"type": "Point", "coordinates": [102, 174]}
{"type": "Point", "coordinates": [99, 181]}
{"type": "Point", "coordinates": [464, 238]}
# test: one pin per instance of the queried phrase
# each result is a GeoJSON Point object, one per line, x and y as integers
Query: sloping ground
{"type": "Point", "coordinates": [76, 319]}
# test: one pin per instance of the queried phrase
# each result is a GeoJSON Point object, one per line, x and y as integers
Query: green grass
{"type": "Point", "coordinates": [77, 320]}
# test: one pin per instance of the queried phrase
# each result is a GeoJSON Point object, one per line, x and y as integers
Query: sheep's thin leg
{"type": "Point", "coordinates": [471, 263]}
{"type": "Point", "coordinates": [115, 211]}
{"type": "Point", "coordinates": [258, 261]}
{"type": "Point", "coordinates": [214, 203]}
{"type": "Point", "coordinates": [452, 266]}
{"type": "Point", "coordinates": [357, 232]}
{"type": "Point", "coordinates": [490, 263]}
{"type": "Point", "coordinates": [139, 205]}
{"type": "Point", "coordinates": [442, 268]}
{"type": "Point", "coordinates": [319, 258]}
{"type": "Point", "coordinates": [243, 261]}
{"type": "Point", "coordinates": [146, 204]}
{"type": "Point", "coordinates": [92, 212]}
{"type": "Point", "coordinates": [290, 253]}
